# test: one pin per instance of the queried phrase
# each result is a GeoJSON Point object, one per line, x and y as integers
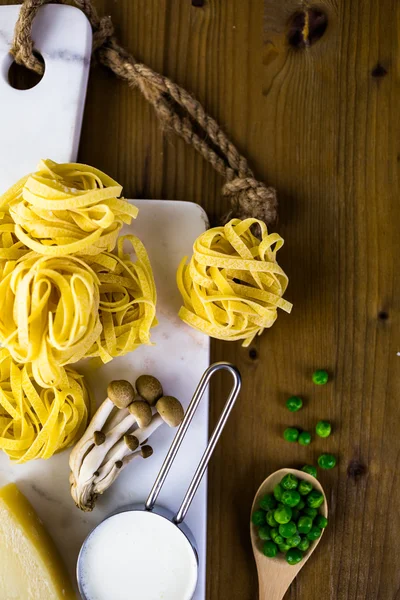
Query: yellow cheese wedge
{"type": "Point", "coordinates": [30, 566]}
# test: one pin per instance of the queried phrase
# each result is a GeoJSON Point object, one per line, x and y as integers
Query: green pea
{"type": "Point", "coordinates": [323, 429]}
{"type": "Point", "coordinates": [304, 438]}
{"type": "Point", "coordinates": [258, 518]}
{"type": "Point", "coordinates": [320, 377]}
{"type": "Point", "coordinates": [291, 498]}
{"type": "Point", "coordinates": [278, 491]}
{"type": "Point", "coordinates": [293, 556]}
{"type": "Point", "coordinates": [267, 502]}
{"type": "Point", "coordinates": [327, 461]}
{"type": "Point", "coordinates": [291, 434]}
{"type": "Point", "coordinates": [284, 548]}
{"type": "Point", "coordinates": [271, 519]}
{"type": "Point", "coordinates": [305, 487]}
{"type": "Point", "coordinates": [276, 537]}
{"type": "Point", "coordinates": [304, 524]}
{"type": "Point", "coordinates": [283, 514]}
{"type": "Point", "coordinates": [294, 403]}
{"type": "Point", "coordinates": [289, 482]}
{"type": "Point", "coordinates": [314, 534]}
{"type": "Point", "coordinates": [304, 544]}
{"type": "Point", "coordinates": [321, 521]}
{"type": "Point", "coordinates": [310, 469]}
{"type": "Point", "coordinates": [286, 530]}
{"type": "Point", "coordinates": [310, 512]}
{"type": "Point", "coordinates": [270, 549]}
{"type": "Point", "coordinates": [264, 532]}
{"type": "Point", "coordinates": [301, 504]}
{"type": "Point", "coordinates": [295, 513]}
{"type": "Point", "coordinates": [294, 540]}
{"type": "Point", "coordinates": [315, 499]}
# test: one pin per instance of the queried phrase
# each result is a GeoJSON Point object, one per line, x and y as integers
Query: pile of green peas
{"type": "Point", "coordinates": [288, 520]}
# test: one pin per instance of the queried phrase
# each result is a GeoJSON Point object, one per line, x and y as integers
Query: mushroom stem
{"type": "Point", "coordinates": [102, 483]}
{"type": "Point", "coordinates": [94, 459]}
{"type": "Point", "coordinates": [120, 450]}
{"type": "Point", "coordinates": [86, 441]}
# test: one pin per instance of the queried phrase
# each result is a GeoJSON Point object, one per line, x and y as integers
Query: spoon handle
{"type": "Point", "coordinates": [274, 583]}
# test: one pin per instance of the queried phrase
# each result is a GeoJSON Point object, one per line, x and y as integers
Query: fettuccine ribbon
{"type": "Point", "coordinates": [65, 209]}
{"type": "Point", "coordinates": [233, 285]}
{"type": "Point", "coordinates": [49, 313]}
{"type": "Point", "coordinates": [36, 422]}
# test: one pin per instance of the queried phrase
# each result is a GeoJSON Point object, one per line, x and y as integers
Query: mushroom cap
{"type": "Point", "coordinates": [149, 388]}
{"type": "Point", "coordinates": [170, 410]}
{"type": "Point", "coordinates": [146, 451]}
{"type": "Point", "coordinates": [142, 413]}
{"type": "Point", "coordinates": [131, 441]}
{"type": "Point", "coordinates": [120, 392]}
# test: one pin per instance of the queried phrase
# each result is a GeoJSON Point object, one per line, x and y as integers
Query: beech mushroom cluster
{"type": "Point", "coordinates": [117, 434]}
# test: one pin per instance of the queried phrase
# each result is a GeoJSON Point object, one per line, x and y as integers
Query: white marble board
{"type": "Point", "coordinates": [45, 122]}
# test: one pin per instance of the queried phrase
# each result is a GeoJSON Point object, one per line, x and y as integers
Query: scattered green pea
{"type": "Point", "coordinates": [293, 556]}
{"type": "Point", "coordinates": [295, 513]}
{"type": "Point", "coordinates": [264, 532]}
{"type": "Point", "coordinates": [294, 540]}
{"type": "Point", "coordinates": [304, 438]}
{"type": "Point", "coordinates": [327, 461]}
{"type": "Point", "coordinates": [320, 377]}
{"type": "Point", "coordinates": [310, 512]}
{"type": "Point", "coordinates": [294, 403]}
{"type": "Point", "coordinates": [321, 521]}
{"type": "Point", "coordinates": [258, 518]}
{"type": "Point", "coordinates": [289, 482]}
{"type": "Point", "coordinates": [323, 429]}
{"type": "Point", "coordinates": [291, 497]}
{"type": "Point", "coordinates": [310, 469]}
{"type": "Point", "coordinates": [314, 533]}
{"type": "Point", "coordinates": [305, 487]}
{"type": "Point", "coordinates": [304, 524]}
{"type": "Point", "coordinates": [283, 514]}
{"type": "Point", "coordinates": [304, 544]}
{"type": "Point", "coordinates": [286, 530]}
{"type": "Point", "coordinates": [289, 520]}
{"type": "Point", "coordinates": [270, 549]}
{"type": "Point", "coordinates": [278, 491]}
{"type": "Point", "coordinates": [267, 502]}
{"type": "Point", "coordinates": [271, 519]}
{"type": "Point", "coordinates": [276, 537]}
{"type": "Point", "coordinates": [291, 434]}
{"type": "Point", "coordinates": [315, 499]}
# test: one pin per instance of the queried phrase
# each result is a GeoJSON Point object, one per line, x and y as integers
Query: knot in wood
{"type": "Point", "coordinates": [252, 199]}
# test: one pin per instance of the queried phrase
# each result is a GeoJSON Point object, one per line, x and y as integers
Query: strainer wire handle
{"type": "Point", "coordinates": [205, 459]}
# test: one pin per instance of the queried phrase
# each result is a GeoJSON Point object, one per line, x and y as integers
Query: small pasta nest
{"type": "Point", "coordinates": [233, 285]}
{"type": "Point", "coordinates": [37, 422]}
{"type": "Point", "coordinates": [49, 313]}
{"type": "Point", "coordinates": [65, 209]}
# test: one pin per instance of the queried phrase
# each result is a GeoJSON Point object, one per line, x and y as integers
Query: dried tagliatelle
{"type": "Point", "coordinates": [48, 313]}
{"type": "Point", "coordinates": [10, 246]}
{"type": "Point", "coordinates": [36, 422]}
{"type": "Point", "coordinates": [65, 209]}
{"type": "Point", "coordinates": [127, 298]}
{"type": "Point", "coordinates": [233, 285]}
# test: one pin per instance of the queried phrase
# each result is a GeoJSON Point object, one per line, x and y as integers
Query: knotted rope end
{"type": "Point", "coordinates": [250, 198]}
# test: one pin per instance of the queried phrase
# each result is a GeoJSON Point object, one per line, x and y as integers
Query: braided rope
{"type": "Point", "coordinates": [176, 109]}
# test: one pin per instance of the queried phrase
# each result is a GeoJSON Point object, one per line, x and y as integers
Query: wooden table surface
{"type": "Point", "coordinates": [318, 116]}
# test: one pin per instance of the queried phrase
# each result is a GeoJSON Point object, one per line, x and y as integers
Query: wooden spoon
{"type": "Point", "coordinates": [274, 574]}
